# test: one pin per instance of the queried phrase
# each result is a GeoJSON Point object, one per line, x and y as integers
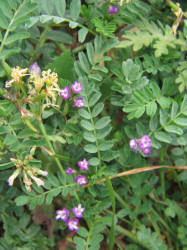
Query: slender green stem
{"type": "Point", "coordinates": [154, 224]}
{"type": "Point", "coordinates": [122, 219]}
{"type": "Point", "coordinates": [61, 46]}
{"type": "Point", "coordinates": [88, 238]}
{"type": "Point", "coordinates": [131, 236]}
{"type": "Point", "coordinates": [123, 203]}
{"type": "Point", "coordinates": [163, 222]}
{"type": "Point", "coordinates": [78, 49]}
{"type": "Point", "coordinates": [51, 147]}
{"type": "Point", "coordinates": [76, 196]}
{"type": "Point", "coordinates": [162, 177]}
{"type": "Point", "coordinates": [65, 158]}
{"type": "Point", "coordinates": [112, 197]}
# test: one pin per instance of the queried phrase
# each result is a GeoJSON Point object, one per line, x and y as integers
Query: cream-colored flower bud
{"type": "Point", "coordinates": [38, 181]}
{"type": "Point", "coordinates": [18, 73]}
{"type": "Point", "coordinates": [13, 176]}
{"type": "Point", "coordinates": [39, 171]}
{"type": "Point", "coordinates": [27, 181]}
{"type": "Point", "coordinates": [33, 149]}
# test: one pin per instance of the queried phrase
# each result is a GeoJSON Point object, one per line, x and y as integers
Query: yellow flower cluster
{"type": "Point", "coordinates": [38, 84]}
{"type": "Point", "coordinates": [17, 75]}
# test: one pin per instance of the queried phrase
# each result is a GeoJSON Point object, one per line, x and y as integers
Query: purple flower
{"type": "Point", "coordinates": [77, 211]}
{"type": "Point", "coordinates": [62, 214]}
{"type": "Point", "coordinates": [113, 9]}
{"type": "Point", "coordinates": [145, 142]}
{"type": "Point", "coordinates": [35, 70]}
{"type": "Point", "coordinates": [72, 224]}
{"type": "Point", "coordinates": [81, 179]}
{"type": "Point", "coordinates": [146, 151]}
{"type": "Point", "coordinates": [83, 164]}
{"type": "Point", "coordinates": [65, 93]}
{"type": "Point", "coordinates": [76, 87]}
{"type": "Point", "coordinates": [133, 144]}
{"type": "Point", "coordinates": [70, 171]}
{"type": "Point", "coordinates": [78, 102]}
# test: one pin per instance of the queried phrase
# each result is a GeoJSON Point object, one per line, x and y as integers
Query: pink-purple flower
{"type": "Point", "coordinates": [146, 151]}
{"type": "Point", "coordinates": [76, 87]}
{"type": "Point", "coordinates": [134, 144]}
{"type": "Point", "coordinates": [72, 224]}
{"type": "Point", "coordinates": [35, 70]}
{"type": "Point", "coordinates": [145, 142]}
{"type": "Point", "coordinates": [113, 9]}
{"type": "Point", "coordinates": [70, 171]}
{"type": "Point", "coordinates": [84, 164]}
{"type": "Point", "coordinates": [81, 179]}
{"type": "Point", "coordinates": [62, 214]}
{"type": "Point", "coordinates": [65, 93]}
{"type": "Point", "coordinates": [77, 211]}
{"type": "Point", "coordinates": [78, 102]}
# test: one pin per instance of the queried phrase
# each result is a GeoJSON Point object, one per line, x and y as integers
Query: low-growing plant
{"type": "Point", "coordinates": [93, 124]}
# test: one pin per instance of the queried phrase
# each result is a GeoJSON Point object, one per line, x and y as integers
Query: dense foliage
{"type": "Point", "coordinates": [93, 124]}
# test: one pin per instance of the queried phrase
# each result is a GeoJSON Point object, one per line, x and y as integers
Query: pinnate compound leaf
{"type": "Point", "coordinates": [5, 7]}
{"type": "Point", "coordinates": [97, 109]}
{"type": "Point", "coordinates": [4, 130]}
{"type": "Point", "coordinates": [90, 148]}
{"type": "Point", "coordinates": [174, 129]}
{"type": "Point", "coordinates": [75, 8]}
{"type": "Point", "coordinates": [8, 52]}
{"type": "Point", "coordinates": [139, 112]}
{"type": "Point", "coordinates": [22, 200]}
{"type": "Point", "coordinates": [94, 161]}
{"type": "Point", "coordinates": [163, 137]}
{"type": "Point", "coordinates": [89, 136]}
{"type": "Point", "coordinates": [95, 77]}
{"type": "Point", "coordinates": [94, 98]}
{"type": "Point", "coordinates": [153, 241]}
{"type": "Point", "coordinates": [17, 36]}
{"type": "Point", "coordinates": [83, 113]}
{"type": "Point", "coordinates": [84, 62]}
{"type": "Point", "coordinates": [10, 139]}
{"type": "Point", "coordinates": [103, 122]}
{"type": "Point", "coordinates": [184, 105]}
{"type": "Point", "coordinates": [153, 124]}
{"type": "Point", "coordinates": [87, 125]}
{"type": "Point", "coordinates": [164, 102]}
{"type": "Point", "coordinates": [51, 194]}
{"type": "Point", "coordinates": [80, 243]}
{"type": "Point", "coordinates": [181, 121]}
{"type": "Point", "coordinates": [106, 145]}
{"type": "Point", "coordinates": [174, 110]}
{"type": "Point", "coordinates": [6, 165]}
{"type": "Point", "coordinates": [104, 132]}
{"type": "Point", "coordinates": [90, 52]}
{"type": "Point", "coordinates": [53, 180]}
{"type": "Point", "coordinates": [3, 21]}
{"type": "Point", "coordinates": [82, 34]}
{"type": "Point", "coordinates": [151, 109]}
{"type": "Point", "coordinates": [163, 117]}
{"type": "Point", "coordinates": [47, 6]}
{"type": "Point", "coordinates": [60, 6]}
{"type": "Point", "coordinates": [83, 232]}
